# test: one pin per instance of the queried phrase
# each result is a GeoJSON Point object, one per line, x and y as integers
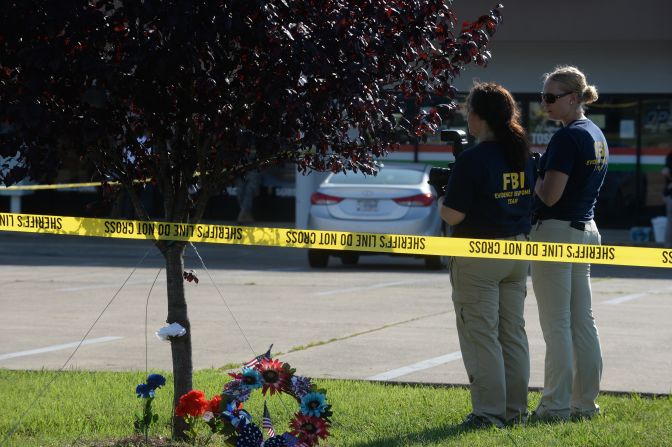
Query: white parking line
{"type": "Point", "coordinates": [635, 296]}
{"type": "Point", "coordinates": [425, 364]}
{"type": "Point", "coordinates": [12, 355]}
{"type": "Point", "coordinates": [626, 298]}
{"type": "Point", "coordinates": [373, 286]}
{"type": "Point", "coordinates": [107, 286]}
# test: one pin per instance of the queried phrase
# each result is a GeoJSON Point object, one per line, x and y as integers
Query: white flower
{"type": "Point", "coordinates": [172, 330]}
{"type": "Point", "coordinates": [207, 416]}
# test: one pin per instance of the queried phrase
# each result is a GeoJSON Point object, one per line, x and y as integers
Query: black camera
{"type": "Point", "coordinates": [438, 177]}
{"type": "Point", "coordinates": [458, 139]}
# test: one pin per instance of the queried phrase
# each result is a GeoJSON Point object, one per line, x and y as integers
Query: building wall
{"type": "Point", "coordinates": [623, 46]}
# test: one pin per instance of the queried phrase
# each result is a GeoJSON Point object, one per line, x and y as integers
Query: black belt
{"type": "Point", "coordinates": [576, 224]}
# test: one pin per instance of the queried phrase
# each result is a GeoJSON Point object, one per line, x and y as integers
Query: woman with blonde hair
{"type": "Point", "coordinates": [572, 171]}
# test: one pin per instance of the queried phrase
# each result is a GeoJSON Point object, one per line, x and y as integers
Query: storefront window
{"type": "Point", "coordinates": [540, 128]}
{"type": "Point", "coordinates": [656, 144]}
{"type": "Point", "coordinates": [617, 116]}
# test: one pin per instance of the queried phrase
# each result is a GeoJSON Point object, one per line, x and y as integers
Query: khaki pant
{"type": "Point", "coordinates": [489, 297]}
{"type": "Point", "coordinates": [573, 365]}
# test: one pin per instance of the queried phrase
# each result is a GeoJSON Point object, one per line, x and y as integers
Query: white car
{"type": "Point", "coordinates": [396, 201]}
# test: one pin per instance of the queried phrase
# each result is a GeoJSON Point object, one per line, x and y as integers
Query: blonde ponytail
{"type": "Point", "coordinates": [589, 94]}
{"type": "Point", "coordinates": [573, 80]}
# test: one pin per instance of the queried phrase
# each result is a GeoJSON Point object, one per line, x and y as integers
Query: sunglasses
{"type": "Point", "coordinates": [550, 98]}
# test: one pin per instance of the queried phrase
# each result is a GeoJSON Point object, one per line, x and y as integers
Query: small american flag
{"type": "Point", "coordinates": [266, 422]}
{"type": "Point", "coordinates": [255, 361]}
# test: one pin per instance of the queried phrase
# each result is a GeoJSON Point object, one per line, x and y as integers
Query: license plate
{"type": "Point", "coordinates": [367, 205]}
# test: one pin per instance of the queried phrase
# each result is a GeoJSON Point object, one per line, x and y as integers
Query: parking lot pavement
{"type": "Point", "coordinates": [386, 319]}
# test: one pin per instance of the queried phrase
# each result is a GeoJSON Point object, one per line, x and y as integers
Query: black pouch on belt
{"type": "Point", "coordinates": [581, 226]}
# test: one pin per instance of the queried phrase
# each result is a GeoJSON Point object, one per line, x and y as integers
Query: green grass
{"type": "Point", "coordinates": [82, 408]}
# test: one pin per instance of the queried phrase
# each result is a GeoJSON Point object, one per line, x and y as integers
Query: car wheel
{"type": "Point", "coordinates": [437, 262]}
{"type": "Point", "coordinates": [350, 258]}
{"type": "Point", "coordinates": [318, 258]}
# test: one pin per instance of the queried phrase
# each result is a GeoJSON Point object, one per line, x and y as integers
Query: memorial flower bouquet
{"type": "Point", "coordinates": [147, 391]}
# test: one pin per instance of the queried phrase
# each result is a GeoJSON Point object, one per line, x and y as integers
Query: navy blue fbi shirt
{"type": "Point", "coordinates": [580, 151]}
{"type": "Point", "coordinates": [495, 198]}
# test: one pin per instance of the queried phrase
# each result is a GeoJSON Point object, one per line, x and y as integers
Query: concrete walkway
{"type": "Point", "coordinates": [385, 319]}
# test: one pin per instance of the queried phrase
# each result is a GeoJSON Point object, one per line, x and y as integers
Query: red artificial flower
{"type": "Point", "coordinates": [192, 404]}
{"type": "Point", "coordinates": [236, 375]}
{"type": "Point", "coordinates": [274, 376]}
{"type": "Point", "coordinates": [215, 404]}
{"type": "Point", "coordinates": [309, 429]}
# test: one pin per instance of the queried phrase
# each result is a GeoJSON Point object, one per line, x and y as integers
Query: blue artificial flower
{"type": "Point", "coordinates": [156, 381]}
{"type": "Point", "coordinates": [145, 391]}
{"type": "Point", "coordinates": [251, 378]}
{"type": "Point", "coordinates": [237, 391]}
{"type": "Point", "coordinates": [313, 404]}
{"type": "Point", "coordinates": [301, 386]}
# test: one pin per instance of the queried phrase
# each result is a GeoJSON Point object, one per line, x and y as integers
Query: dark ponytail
{"type": "Point", "coordinates": [495, 105]}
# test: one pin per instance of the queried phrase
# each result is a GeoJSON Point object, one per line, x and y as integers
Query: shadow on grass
{"type": "Point", "coordinates": [431, 435]}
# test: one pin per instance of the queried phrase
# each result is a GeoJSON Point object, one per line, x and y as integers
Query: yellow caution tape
{"type": "Point", "coordinates": [54, 186]}
{"type": "Point", "coordinates": [338, 240]}
{"type": "Point", "coordinates": [62, 185]}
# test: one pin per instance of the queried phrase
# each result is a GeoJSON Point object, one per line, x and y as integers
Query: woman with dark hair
{"type": "Point", "coordinates": [572, 171]}
{"type": "Point", "coordinates": [489, 196]}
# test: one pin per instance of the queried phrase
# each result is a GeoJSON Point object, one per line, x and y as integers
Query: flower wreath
{"type": "Point", "coordinates": [307, 427]}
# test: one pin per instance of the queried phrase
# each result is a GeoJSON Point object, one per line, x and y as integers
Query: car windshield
{"type": "Point", "coordinates": [386, 176]}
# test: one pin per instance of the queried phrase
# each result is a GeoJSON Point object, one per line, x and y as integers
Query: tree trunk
{"type": "Point", "coordinates": [180, 346]}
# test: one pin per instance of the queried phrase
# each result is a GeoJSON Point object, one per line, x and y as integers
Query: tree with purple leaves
{"type": "Point", "coordinates": [179, 91]}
